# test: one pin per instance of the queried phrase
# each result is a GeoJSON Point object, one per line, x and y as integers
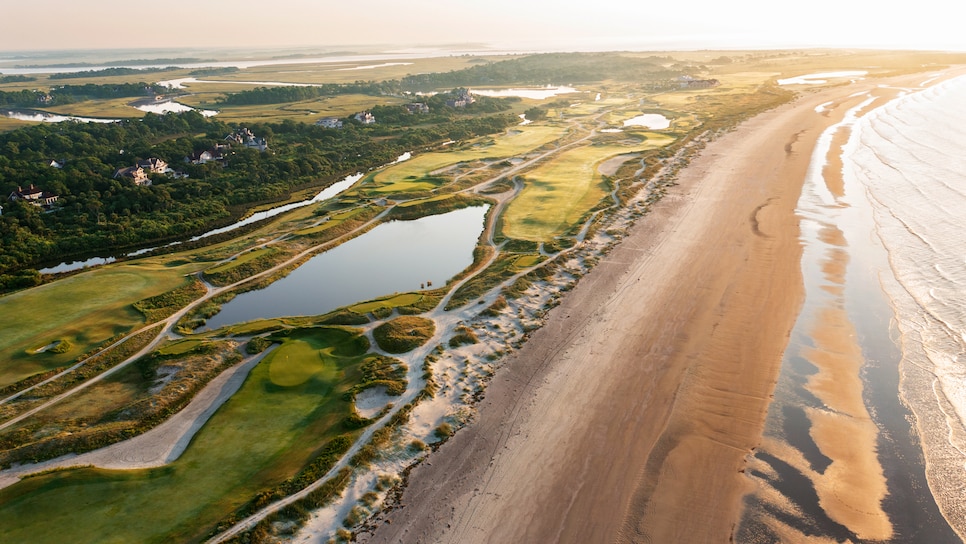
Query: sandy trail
{"type": "Point", "coordinates": [628, 416]}
{"type": "Point", "coordinates": [162, 444]}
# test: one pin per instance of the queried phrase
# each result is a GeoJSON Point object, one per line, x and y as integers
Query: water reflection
{"type": "Point", "coordinates": [393, 257]}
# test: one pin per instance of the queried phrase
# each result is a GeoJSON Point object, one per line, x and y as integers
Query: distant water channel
{"type": "Point", "coordinates": [329, 192]}
{"type": "Point", "coordinates": [395, 257]}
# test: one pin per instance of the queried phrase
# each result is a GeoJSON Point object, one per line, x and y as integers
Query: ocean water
{"type": "Point", "coordinates": [864, 439]}
{"type": "Point", "coordinates": [910, 157]}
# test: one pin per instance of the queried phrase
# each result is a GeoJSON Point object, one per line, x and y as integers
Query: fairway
{"type": "Point", "coordinates": [558, 193]}
{"type": "Point", "coordinates": [78, 308]}
{"type": "Point", "coordinates": [517, 141]}
{"type": "Point", "coordinates": [261, 436]}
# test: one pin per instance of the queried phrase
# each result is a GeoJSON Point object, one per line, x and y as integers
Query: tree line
{"type": "Point", "coordinates": [545, 69]}
{"type": "Point", "coordinates": [96, 213]}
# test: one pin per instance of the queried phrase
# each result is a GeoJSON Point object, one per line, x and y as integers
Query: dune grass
{"type": "Point", "coordinates": [404, 334]}
{"type": "Point", "coordinates": [266, 433]}
{"type": "Point", "coordinates": [79, 309]}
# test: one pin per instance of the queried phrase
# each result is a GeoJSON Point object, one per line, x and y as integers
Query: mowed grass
{"type": "Point", "coordinates": [264, 434]}
{"type": "Point", "coordinates": [407, 299]}
{"type": "Point", "coordinates": [517, 141]}
{"type": "Point", "coordinates": [85, 309]}
{"type": "Point", "coordinates": [559, 192]}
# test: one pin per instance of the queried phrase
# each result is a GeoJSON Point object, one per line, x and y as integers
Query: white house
{"type": "Point", "coordinates": [365, 117]}
{"type": "Point", "coordinates": [34, 195]}
{"type": "Point", "coordinates": [154, 165]}
{"type": "Point", "coordinates": [134, 173]}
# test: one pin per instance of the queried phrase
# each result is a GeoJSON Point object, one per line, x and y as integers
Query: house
{"type": "Point", "coordinates": [329, 122]}
{"type": "Point", "coordinates": [247, 138]}
{"type": "Point", "coordinates": [461, 99]}
{"type": "Point", "coordinates": [134, 173]}
{"type": "Point", "coordinates": [56, 164]}
{"type": "Point", "coordinates": [417, 107]}
{"type": "Point", "coordinates": [34, 195]}
{"type": "Point", "coordinates": [365, 117]}
{"type": "Point", "coordinates": [688, 82]}
{"type": "Point", "coordinates": [199, 157]}
{"type": "Point", "coordinates": [154, 165]}
{"type": "Point", "coordinates": [216, 153]}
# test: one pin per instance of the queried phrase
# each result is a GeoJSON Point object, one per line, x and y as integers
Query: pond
{"type": "Point", "coordinates": [395, 257]}
{"type": "Point", "coordinates": [820, 78]}
{"type": "Point", "coordinates": [539, 93]}
{"type": "Point", "coordinates": [169, 106]}
{"type": "Point", "coordinates": [653, 121]}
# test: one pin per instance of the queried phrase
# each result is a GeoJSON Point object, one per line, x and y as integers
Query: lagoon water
{"type": "Point", "coordinates": [170, 106]}
{"type": "Point", "coordinates": [44, 117]}
{"type": "Point", "coordinates": [653, 121]}
{"type": "Point", "coordinates": [532, 93]}
{"type": "Point", "coordinates": [393, 257]}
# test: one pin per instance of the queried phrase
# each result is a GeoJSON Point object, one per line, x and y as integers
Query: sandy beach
{"type": "Point", "coordinates": [630, 415]}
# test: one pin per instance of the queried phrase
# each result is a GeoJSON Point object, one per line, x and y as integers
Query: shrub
{"type": "Point", "coordinates": [444, 431]}
{"type": "Point", "coordinates": [404, 334]}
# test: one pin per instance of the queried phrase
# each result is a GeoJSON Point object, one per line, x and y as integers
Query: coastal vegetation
{"type": "Point", "coordinates": [96, 211]}
{"type": "Point", "coordinates": [269, 434]}
{"type": "Point", "coordinates": [293, 422]}
{"type": "Point", "coordinates": [404, 334]}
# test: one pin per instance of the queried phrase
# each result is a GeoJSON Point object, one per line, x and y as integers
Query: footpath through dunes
{"type": "Point", "coordinates": [628, 417]}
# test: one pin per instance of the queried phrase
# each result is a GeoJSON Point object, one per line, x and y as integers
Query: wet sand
{"type": "Point", "coordinates": [840, 458]}
{"type": "Point", "coordinates": [630, 415]}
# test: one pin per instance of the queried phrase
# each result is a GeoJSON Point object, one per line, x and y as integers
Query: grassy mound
{"type": "Point", "coordinates": [404, 334]}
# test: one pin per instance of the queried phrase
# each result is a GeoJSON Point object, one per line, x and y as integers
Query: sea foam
{"type": "Point", "coordinates": [908, 155]}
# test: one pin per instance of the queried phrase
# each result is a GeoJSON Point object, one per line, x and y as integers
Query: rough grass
{"type": "Point", "coordinates": [85, 309]}
{"type": "Point", "coordinates": [265, 434]}
{"type": "Point", "coordinates": [110, 108]}
{"type": "Point", "coordinates": [515, 142]}
{"type": "Point", "coordinates": [404, 334]}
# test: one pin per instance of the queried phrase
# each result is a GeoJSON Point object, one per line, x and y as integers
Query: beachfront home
{"type": "Point", "coordinates": [365, 117]}
{"type": "Point", "coordinates": [136, 174]}
{"type": "Point", "coordinates": [34, 195]}
{"type": "Point", "coordinates": [329, 122]}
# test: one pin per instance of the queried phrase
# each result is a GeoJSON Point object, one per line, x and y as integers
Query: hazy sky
{"type": "Point", "coordinates": [567, 24]}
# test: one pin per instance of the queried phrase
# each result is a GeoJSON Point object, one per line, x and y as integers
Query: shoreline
{"type": "Point", "coordinates": [678, 389]}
